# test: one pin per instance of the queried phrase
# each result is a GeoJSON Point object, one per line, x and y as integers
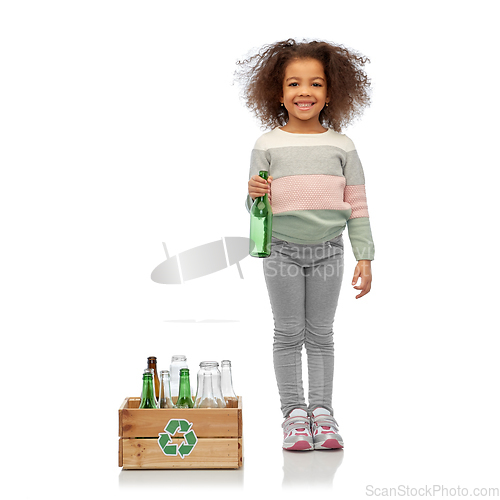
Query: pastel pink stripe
{"type": "Point", "coordinates": [308, 192]}
{"type": "Point", "coordinates": [356, 197]}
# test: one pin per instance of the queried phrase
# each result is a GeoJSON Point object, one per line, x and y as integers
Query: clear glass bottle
{"type": "Point", "coordinates": [165, 399]}
{"type": "Point", "coordinates": [261, 224]}
{"type": "Point", "coordinates": [227, 384]}
{"type": "Point", "coordinates": [156, 380]}
{"type": "Point", "coordinates": [209, 392]}
{"type": "Point", "coordinates": [178, 362]}
{"type": "Point", "coordinates": [148, 399]}
{"type": "Point", "coordinates": [184, 400]}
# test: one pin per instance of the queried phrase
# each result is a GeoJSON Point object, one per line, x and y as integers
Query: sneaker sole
{"type": "Point", "coordinates": [329, 444]}
{"type": "Point", "coordinates": [299, 446]}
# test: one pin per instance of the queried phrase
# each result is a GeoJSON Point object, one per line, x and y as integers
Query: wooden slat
{"type": "Point", "coordinates": [207, 454]}
{"type": "Point", "coordinates": [135, 402]}
{"type": "Point", "coordinates": [240, 417]}
{"type": "Point", "coordinates": [124, 404]}
{"type": "Point", "coordinates": [120, 453]}
{"type": "Point", "coordinates": [207, 422]}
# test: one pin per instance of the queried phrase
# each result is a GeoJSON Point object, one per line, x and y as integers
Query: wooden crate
{"type": "Point", "coordinates": [175, 438]}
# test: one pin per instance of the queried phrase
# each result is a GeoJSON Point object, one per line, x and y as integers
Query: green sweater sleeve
{"type": "Point", "coordinates": [360, 235]}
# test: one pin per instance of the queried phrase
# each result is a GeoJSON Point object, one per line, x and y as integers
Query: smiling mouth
{"type": "Point", "coordinates": [304, 105]}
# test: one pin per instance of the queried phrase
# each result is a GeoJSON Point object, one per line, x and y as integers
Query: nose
{"type": "Point", "coordinates": [304, 90]}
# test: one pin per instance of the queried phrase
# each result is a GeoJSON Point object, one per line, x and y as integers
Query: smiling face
{"type": "Point", "coordinates": [304, 95]}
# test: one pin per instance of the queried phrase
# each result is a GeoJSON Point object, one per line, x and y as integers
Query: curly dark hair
{"type": "Point", "coordinates": [261, 76]}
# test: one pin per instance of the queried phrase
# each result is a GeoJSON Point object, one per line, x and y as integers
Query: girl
{"type": "Point", "coordinates": [306, 92]}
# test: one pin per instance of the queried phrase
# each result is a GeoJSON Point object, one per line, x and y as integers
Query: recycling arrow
{"type": "Point", "coordinates": [168, 449]}
{"type": "Point", "coordinates": [165, 439]}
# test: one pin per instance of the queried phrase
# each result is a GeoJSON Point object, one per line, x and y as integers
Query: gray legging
{"type": "Point", "coordinates": [304, 283]}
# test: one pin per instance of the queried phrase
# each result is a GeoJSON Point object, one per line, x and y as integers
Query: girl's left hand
{"type": "Point", "coordinates": [364, 271]}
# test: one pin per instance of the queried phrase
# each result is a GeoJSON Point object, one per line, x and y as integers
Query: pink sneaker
{"type": "Point", "coordinates": [325, 430]}
{"type": "Point", "coordinates": [297, 431]}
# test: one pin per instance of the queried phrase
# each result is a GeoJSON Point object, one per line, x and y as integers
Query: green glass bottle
{"type": "Point", "coordinates": [261, 225]}
{"type": "Point", "coordinates": [148, 392]}
{"type": "Point", "coordinates": [184, 400]}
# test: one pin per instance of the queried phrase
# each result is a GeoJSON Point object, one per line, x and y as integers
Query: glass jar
{"type": "Point", "coordinates": [209, 392]}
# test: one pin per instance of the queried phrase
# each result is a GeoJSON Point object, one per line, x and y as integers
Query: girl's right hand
{"type": "Point", "coordinates": [257, 186]}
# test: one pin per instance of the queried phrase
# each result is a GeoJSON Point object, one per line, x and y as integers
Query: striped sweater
{"type": "Point", "coordinates": [318, 188]}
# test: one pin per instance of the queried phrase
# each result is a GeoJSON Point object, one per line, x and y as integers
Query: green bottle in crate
{"type": "Point", "coordinates": [184, 400]}
{"type": "Point", "coordinates": [261, 225]}
{"type": "Point", "coordinates": [148, 393]}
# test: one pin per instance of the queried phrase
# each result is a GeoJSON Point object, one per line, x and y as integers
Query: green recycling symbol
{"type": "Point", "coordinates": [165, 439]}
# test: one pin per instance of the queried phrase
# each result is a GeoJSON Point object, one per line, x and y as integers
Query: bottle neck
{"type": "Point", "coordinates": [164, 381]}
{"type": "Point", "coordinates": [263, 174]}
{"type": "Point", "coordinates": [184, 387]}
{"type": "Point", "coordinates": [147, 385]}
{"type": "Point", "coordinates": [148, 395]}
{"type": "Point", "coordinates": [227, 381]}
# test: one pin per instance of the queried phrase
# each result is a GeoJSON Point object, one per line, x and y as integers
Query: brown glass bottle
{"type": "Point", "coordinates": [152, 366]}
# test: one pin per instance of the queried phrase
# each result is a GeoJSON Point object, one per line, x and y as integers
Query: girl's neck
{"type": "Point", "coordinates": [304, 128]}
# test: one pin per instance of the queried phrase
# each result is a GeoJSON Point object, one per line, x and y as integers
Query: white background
{"type": "Point", "coordinates": [121, 129]}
